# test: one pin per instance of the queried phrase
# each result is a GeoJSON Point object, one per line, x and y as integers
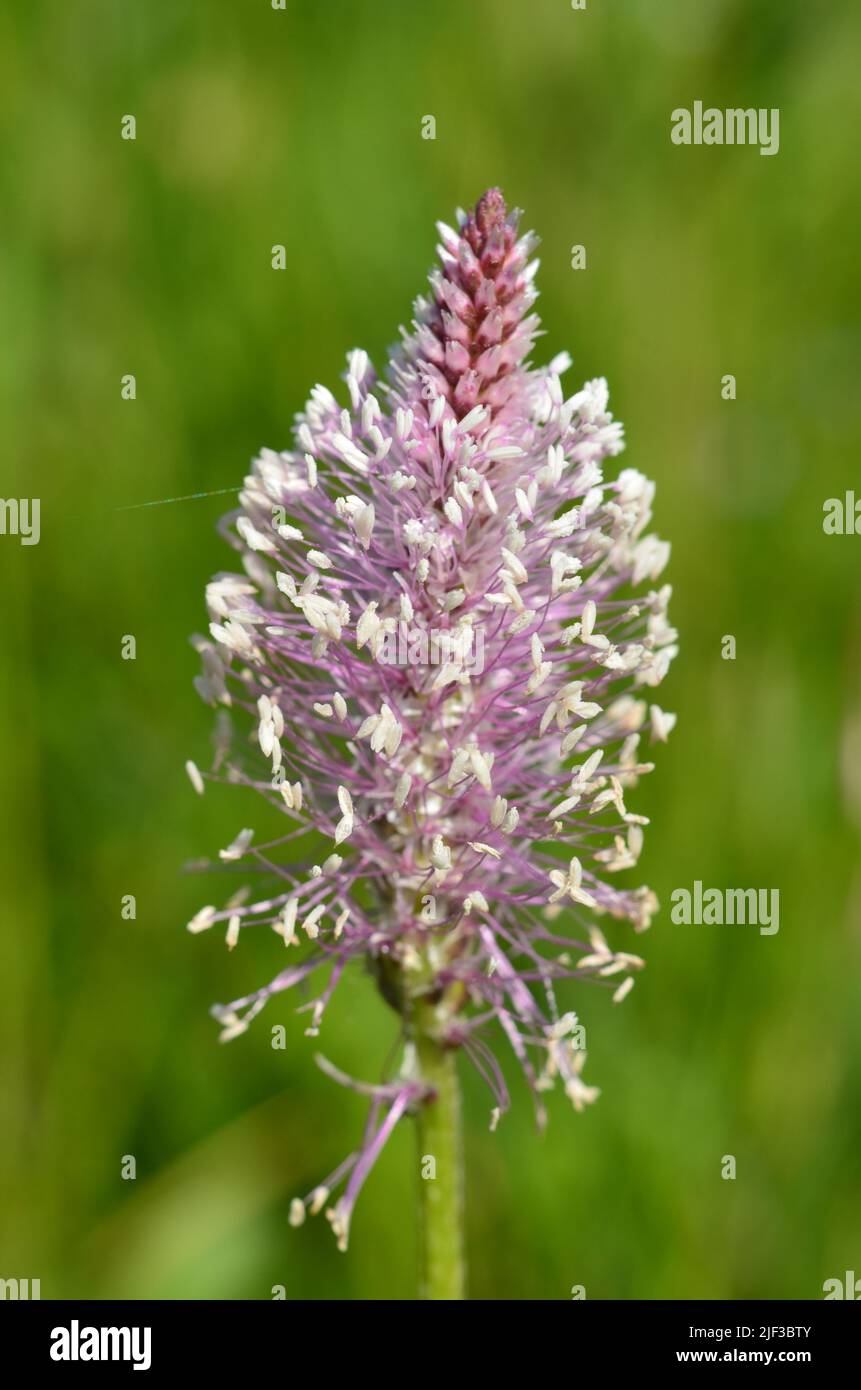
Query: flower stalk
{"type": "Point", "coordinates": [442, 1267]}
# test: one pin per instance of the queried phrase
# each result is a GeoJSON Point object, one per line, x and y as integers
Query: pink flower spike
{"type": "Point", "coordinates": [443, 646]}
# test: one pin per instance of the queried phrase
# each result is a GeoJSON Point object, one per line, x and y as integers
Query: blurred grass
{"type": "Point", "coordinates": [257, 127]}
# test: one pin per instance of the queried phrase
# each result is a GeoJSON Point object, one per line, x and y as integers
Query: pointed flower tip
{"type": "Point", "coordinates": [490, 211]}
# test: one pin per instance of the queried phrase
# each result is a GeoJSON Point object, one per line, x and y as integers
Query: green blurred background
{"type": "Point", "coordinates": [302, 127]}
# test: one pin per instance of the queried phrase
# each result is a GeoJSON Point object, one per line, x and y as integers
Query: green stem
{"type": "Point", "coordinates": [442, 1267]}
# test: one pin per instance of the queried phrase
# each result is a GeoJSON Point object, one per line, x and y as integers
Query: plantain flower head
{"type": "Point", "coordinates": [445, 639]}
